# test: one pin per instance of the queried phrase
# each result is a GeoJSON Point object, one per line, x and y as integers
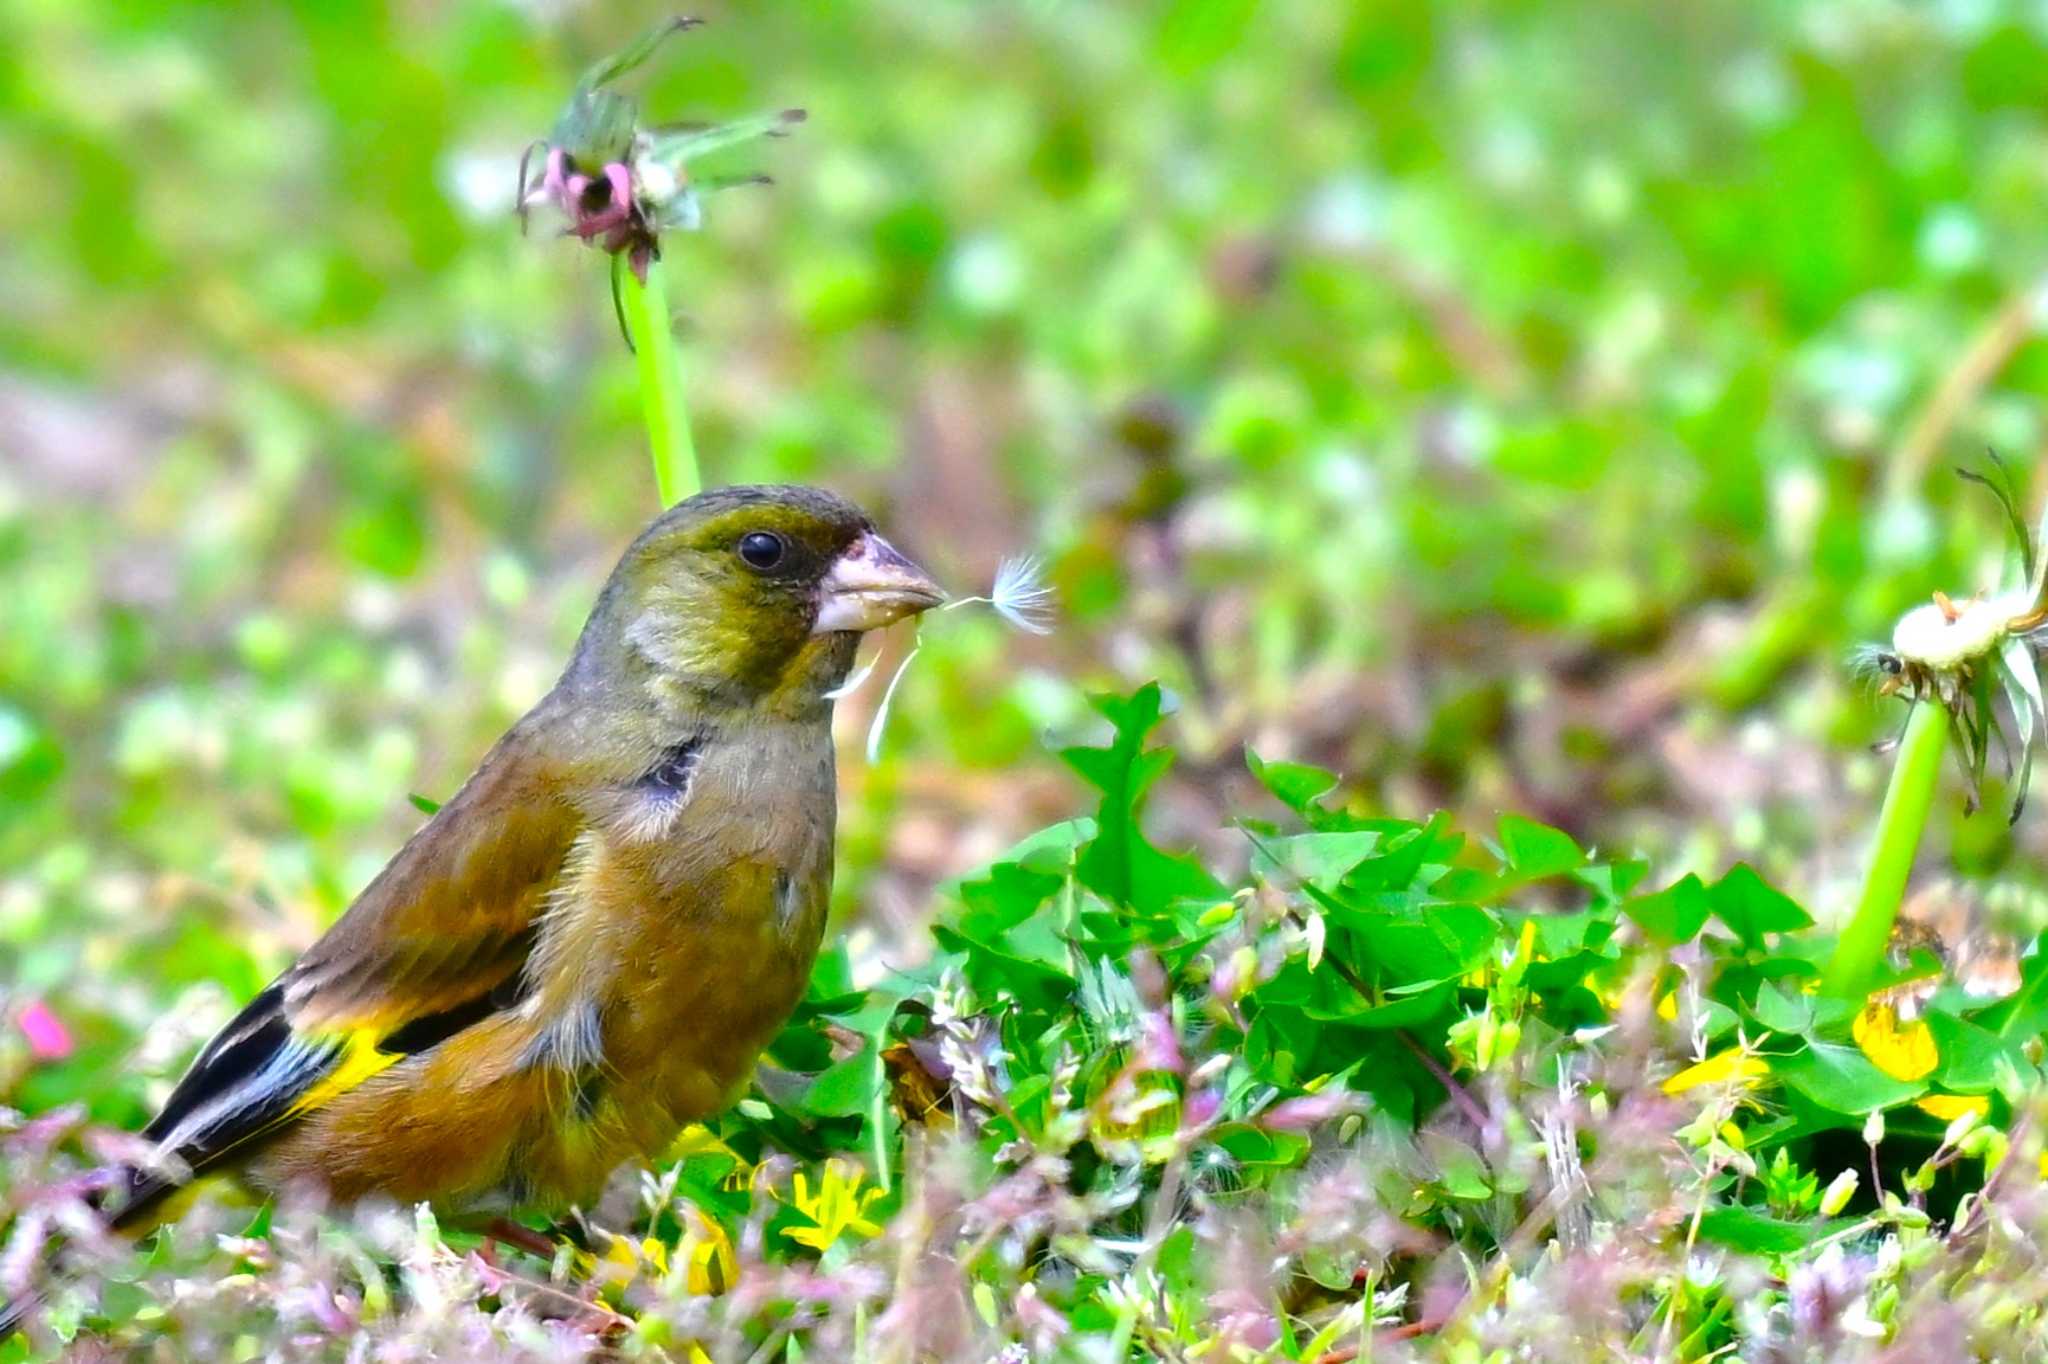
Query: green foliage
{"type": "Point", "coordinates": [1366, 984]}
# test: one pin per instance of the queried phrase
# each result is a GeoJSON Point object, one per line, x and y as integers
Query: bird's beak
{"type": "Point", "coordinates": [872, 585]}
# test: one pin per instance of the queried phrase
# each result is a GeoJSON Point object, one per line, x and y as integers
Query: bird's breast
{"type": "Point", "coordinates": [691, 945]}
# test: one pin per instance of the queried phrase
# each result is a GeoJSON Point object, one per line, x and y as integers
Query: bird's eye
{"type": "Point", "coordinates": [761, 549]}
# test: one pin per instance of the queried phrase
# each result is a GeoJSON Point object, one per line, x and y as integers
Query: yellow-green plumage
{"type": "Point", "coordinates": [590, 943]}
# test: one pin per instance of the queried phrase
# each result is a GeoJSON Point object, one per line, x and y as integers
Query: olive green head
{"type": "Point", "coordinates": [751, 592]}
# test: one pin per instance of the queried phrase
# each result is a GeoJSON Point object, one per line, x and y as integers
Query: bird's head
{"type": "Point", "coordinates": [752, 595]}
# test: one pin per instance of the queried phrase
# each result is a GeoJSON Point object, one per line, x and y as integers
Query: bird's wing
{"type": "Point", "coordinates": [434, 944]}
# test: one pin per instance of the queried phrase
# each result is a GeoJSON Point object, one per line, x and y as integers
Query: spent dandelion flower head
{"type": "Point", "coordinates": [1978, 658]}
{"type": "Point", "coordinates": [620, 184]}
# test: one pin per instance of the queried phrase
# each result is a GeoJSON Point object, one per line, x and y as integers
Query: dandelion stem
{"type": "Point", "coordinates": [1900, 824]}
{"type": "Point", "coordinates": [661, 384]}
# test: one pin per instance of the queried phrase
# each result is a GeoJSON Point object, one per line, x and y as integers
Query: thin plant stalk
{"type": "Point", "coordinates": [645, 308]}
{"type": "Point", "coordinates": [1915, 776]}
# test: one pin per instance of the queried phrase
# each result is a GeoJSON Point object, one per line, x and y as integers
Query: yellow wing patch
{"type": "Point", "coordinates": [360, 1059]}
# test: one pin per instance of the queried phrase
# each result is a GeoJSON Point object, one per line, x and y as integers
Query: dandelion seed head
{"type": "Point", "coordinates": [1021, 596]}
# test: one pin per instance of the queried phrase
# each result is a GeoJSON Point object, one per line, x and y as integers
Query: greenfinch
{"type": "Point", "coordinates": [587, 947]}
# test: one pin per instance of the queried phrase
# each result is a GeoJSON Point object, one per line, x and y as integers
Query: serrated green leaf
{"type": "Point", "coordinates": [1119, 863]}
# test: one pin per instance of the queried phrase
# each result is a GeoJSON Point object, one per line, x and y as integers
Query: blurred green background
{"type": "Point", "coordinates": [1516, 406]}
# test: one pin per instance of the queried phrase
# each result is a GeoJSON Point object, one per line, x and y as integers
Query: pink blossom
{"type": "Point", "coordinates": [48, 1038]}
{"type": "Point", "coordinates": [1298, 1114]}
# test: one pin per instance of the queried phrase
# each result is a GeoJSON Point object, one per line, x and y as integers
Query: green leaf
{"type": "Point", "coordinates": [1610, 881]}
{"type": "Point", "coordinates": [1674, 914]}
{"type": "Point", "coordinates": [1534, 851]}
{"type": "Point", "coordinates": [677, 147]}
{"type": "Point", "coordinates": [1841, 1079]}
{"type": "Point", "coordinates": [1295, 785]}
{"type": "Point", "coordinates": [1461, 1173]}
{"type": "Point", "coordinates": [1008, 895]}
{"type": "Point", "coordinates": [609, 68]}
{"type": "Point", "coordinates": [848, 1088]}
{"type": "Point", "coordinates": [1322, 859]}
{"type": "Point", "coordinates": [1402, 855]}
{"type": "Point", "coordinates": [1751, 908]}
{"type": "Point", "coordinates": [1119, 863]}
{"type": "Point", "coordinates": [1970, 1055]}
{"type": "Point", "coordinates": [1324, 996]}
{"type": "Point", "coordinates": [1782, 1010]}
{"type": "Point", "coordinates": [1746, 1229]}
{"type": "Point", "coordinates": [1255, 1146]}
{"type": "Point", "coordinates": [1419, 948]}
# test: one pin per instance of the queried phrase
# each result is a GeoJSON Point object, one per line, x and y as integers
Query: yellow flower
{"type": "Point", "coordinates": [622, 1262]}
{"type": "Point", "coordinates": [1949, 1107]}
{"type": "Point", "coordinates": [839, 1206]}
{"type": "Point", "coordinates": [708, 1251]}
{"type": "Point", "coordinates": [1735, 1064]}
{"type": "Point", "coordinates": [1903, 1052]}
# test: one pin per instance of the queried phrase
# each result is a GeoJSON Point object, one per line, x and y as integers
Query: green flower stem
{"type": "Point", "coordinates": [661, 385]}
{"type": "Point", "coordinates": [1900, 823]}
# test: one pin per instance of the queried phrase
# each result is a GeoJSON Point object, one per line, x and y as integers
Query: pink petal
{"type": "Point", "coordinates": [622, 184]}
{"type": "Point", "coordinates": [1306, 1111]}
{"type": "Point", "coordinates": [48, 1039]}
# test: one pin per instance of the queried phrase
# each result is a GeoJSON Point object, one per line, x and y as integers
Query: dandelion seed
{"type": "Point", "coordinates": [881, 720]}
{"type": "Point", "coordinates": [854, 680]}
{"type": "Point", "coordinates": [1019, 595]}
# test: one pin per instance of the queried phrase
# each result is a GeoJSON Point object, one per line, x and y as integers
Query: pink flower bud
{"type": "Point", "coordinates": [48, 1038]}
{"type": "Point", "coordinates": [1300, 1114]}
